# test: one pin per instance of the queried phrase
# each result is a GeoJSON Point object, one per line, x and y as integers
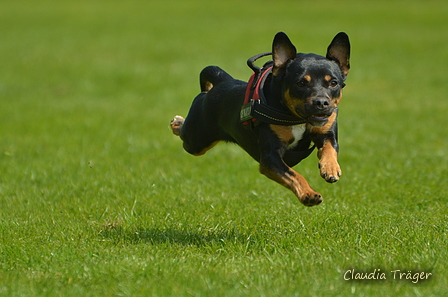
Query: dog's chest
{"type": "Point", "coordinates": [297, 132]}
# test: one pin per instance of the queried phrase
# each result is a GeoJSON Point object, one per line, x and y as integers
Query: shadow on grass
{"type": "Point", "coordinates": [174, 236]}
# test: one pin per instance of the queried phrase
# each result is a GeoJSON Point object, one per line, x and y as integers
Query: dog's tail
{"type": "Point", "coordinates": [211, 76]}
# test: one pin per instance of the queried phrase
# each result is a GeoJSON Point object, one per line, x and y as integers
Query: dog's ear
{"type": "Point", "coordinates": [339, 51]}
{"type": "Point", "coordinates": [282, 51]}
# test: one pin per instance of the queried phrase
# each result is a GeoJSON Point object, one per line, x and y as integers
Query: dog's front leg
{"type": "Point", "coordinates": [326, 140]}
{"type": "Point", "coordinates": [328, 162]}
{"type": "Point", "coordinates": [273, 166]}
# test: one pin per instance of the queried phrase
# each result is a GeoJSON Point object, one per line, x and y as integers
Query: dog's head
{"type": "Point", "coordinates": [311, 84]}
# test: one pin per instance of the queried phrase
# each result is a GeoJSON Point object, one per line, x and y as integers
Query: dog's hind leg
{"type": "Point", "coordinates": [196, 132]}
{"type": "Point", "coordinates": [196, 137]}
{"type": "Point", "coordinates": [176, 124]}
{"type": "Point", "coordinates": [199, 131]}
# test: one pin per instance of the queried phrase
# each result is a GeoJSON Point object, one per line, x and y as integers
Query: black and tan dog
{"type": "Point", "coordinates": [297, 112]}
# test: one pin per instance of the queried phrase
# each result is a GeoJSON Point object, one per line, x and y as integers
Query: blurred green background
{"type": "Point", "coordinates": [97, 197]}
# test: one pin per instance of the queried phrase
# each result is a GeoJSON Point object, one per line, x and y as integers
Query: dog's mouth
{"type": "Point", "coordinates": [318, 120]}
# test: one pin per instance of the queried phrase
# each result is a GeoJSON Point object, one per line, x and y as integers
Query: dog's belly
{"type": "Point", "coordinates": [297, 133]}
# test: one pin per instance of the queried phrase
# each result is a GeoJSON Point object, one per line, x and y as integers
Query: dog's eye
{"type": "Point", "coordinates": [302, 83]}
{"type": "Point", "coordinates": [334, 83]}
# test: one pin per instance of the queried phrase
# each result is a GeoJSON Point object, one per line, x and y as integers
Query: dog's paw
{"type": "Point", "coordinates": [311, 198]}
{"type": "Point", "coordinates": [330, 171]}
{"type": "Point", "coordinates": [176, 123]}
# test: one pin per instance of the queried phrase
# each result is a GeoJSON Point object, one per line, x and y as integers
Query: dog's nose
{"type": "Point", "coordinates": [321, 103]}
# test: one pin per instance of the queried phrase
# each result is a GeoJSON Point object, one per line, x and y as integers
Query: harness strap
{"type": "Point", "coordinates": [266, 114]}
{"type": "Point", "coordinates": [253, 95]}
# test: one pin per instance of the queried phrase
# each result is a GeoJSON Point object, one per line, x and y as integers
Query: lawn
{"type": "Point", "coordinates": [98, 198]}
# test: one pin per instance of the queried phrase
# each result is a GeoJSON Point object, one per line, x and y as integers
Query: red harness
{"type": "Point", "coordinates": [253, 93]}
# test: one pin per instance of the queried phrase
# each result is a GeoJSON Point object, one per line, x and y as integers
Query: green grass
{"type": "Point", "coordinates": [97, 197]}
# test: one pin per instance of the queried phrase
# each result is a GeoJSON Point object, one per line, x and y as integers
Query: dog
{"type": "Point", "coordinates": [297, 112]}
